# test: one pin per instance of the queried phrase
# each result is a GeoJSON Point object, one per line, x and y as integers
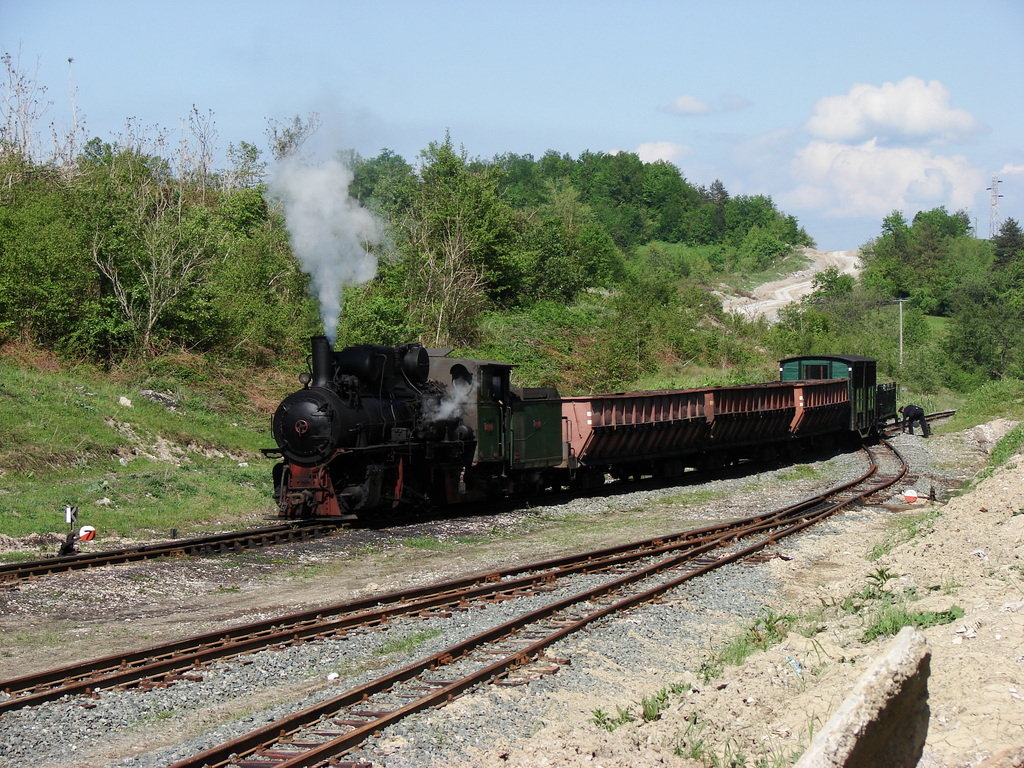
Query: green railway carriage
{"type": "Point", "coordinates": [870, 403]}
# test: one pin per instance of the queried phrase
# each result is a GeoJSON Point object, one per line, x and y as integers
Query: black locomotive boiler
{"type": "Point", "coordinates": [376, 428]}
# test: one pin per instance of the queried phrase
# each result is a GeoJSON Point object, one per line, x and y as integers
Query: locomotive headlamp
{"type": "Point", "coordinates": [305, 377]}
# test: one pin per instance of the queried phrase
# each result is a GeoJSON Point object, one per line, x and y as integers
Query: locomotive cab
{"type": "Point", "coordinates": [476, 393]}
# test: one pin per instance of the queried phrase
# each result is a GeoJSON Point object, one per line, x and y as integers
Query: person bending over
{"type": "Point", "coordinates": [912, 413]}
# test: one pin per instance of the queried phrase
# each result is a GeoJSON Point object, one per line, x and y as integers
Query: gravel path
{"type": "Point", "coordinates": [767, 299]}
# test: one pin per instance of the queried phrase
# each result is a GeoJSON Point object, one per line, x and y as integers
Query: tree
{"type": "Point", "coordinates": [984, 331]}
{"type": "Point", "coordinates": [628, 345]}
{"type": "Point", "coordinates": [670, 200]}
{"type": "Point", "coordinates": [554, 166]}
{"type": "Point", "coordinates": [565, 249]}
{"type": "Point", "coordinates": [612, 185]}
{"type": "Point", "coordinates": [48, 289]}
{"type": "Point", "coordinates": [830, 284]}
{"type": "Point", "coordinates": [386, 183]}
{"type": "Point", "coordinates": [744, 212]}
{"type": "Point", "coordinates": [943, 223]}
{"type": "Point", "coordinates": [288, 138]}
{"type": "Point", "coordinates": [886, 267]}
{"type": "Point", "coordinates": [759, 248]}
{"type": "Point", "coordinates": [196, 148]}
{"type": "Point", "coordinates": [24, 105]}
{"type": "Point", "coordinates": [150, 241]}
{"type": "Point", "coordinates": [1008, 244]}
{"type": "Point", "coordinates": [254, 301]}
{"type": "Point", "coordinates": [462, 246]}
{"type": "Point", "coordinates": [521, 182]}
{"type": "Point", "coordinates": [245, 169]}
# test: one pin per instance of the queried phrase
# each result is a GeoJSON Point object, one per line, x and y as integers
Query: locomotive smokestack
{"type": "Point", "coordinates": [323, 361]}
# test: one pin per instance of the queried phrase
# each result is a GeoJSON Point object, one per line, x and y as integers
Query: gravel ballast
{"type": "Point", "coordinates": [613, 664]}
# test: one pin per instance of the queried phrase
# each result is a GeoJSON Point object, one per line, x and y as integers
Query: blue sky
{"type": "Point", "coordinates": [841, 112]}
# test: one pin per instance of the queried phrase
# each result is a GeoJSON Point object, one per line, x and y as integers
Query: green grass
{"type": "Point", "coordinates": [690, 498]}
{"type": "Point", "coordinates": [997, 399]}
{"type": "Point", "coordinates": [17, 557]}
{"type": "Point", "coordinates": [1009, 445]}
{"type": "Point", "coordinates": [144, 499]}
{"type": "Point", "coordinates": [67, 438]}
{"type": "Point", "coordinates": [797, 472]}
{"type": "Point", "coordinates": [602, 719]}
{"type": "Point", "coordinates": [890, 618]}
{"type": "Point", "coordinates": [316, 571]}
{"type": "Point", "coordinates": [697, 377]}
{"type": "Point", "coordinates": [430, 544]}
{"type": "Point", "coordinates": [52, 420]}
{"type": "Point", "coordinates": [406, 644]}
{"type": "Point", "coordinates": [650, 708]}
{"type": "Point", "coordinates": [904, 529]}
{"type": "Point", "coordinates": [887, 611]}
{"type": "Point", "coordinates": [228, 590]}
{"type": "Point", "coordinates": [764, 632]}
{"type": "Point", "coordinates": [936, 325]}
{"type": "Point", "coordinates": [778, 269]}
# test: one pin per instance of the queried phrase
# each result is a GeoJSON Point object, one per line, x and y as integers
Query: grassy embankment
{"type": "Point", "coordinates": [135, 468]}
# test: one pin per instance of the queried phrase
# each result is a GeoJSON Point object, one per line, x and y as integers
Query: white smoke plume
{"type": "Point", "coordinates": [450, 406]}
{"type": "Point", "coordinates": [330, 233]}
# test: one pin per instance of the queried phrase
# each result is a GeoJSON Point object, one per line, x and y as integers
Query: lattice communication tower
{"type": "Point", "coordinates": [993, 222]}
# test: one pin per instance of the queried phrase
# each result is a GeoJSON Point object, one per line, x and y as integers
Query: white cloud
{"type": "Point", "coordinates": [908, 110]}
{"type": "Point", "coordinates": [732, 102]}
{"type": "Point", "coordinates": [688, 105]}
{"type": "Point", "coordinates": [1008, 170]}
{"type": "Point", "coordinates": [691, 105]}
{"type": "Point", "coordinates": [652, 151]}
{"type": "Point", "coordinates": [851, 180]}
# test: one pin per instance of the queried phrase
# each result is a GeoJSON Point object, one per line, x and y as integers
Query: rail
{"type": "Point", "coordinates": [201, 545]}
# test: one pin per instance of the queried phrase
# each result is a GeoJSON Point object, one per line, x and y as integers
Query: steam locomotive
{"type": "Point", "coordinates": [377, 428]}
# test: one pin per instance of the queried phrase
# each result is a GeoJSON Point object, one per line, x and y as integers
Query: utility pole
{"type": "Point", "coordinates": [993, 222]}
{"type": "Point", "coordinates": [900, 302]}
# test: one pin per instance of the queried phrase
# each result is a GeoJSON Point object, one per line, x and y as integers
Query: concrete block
{"type": "Point", "coordinates": [884, 721]}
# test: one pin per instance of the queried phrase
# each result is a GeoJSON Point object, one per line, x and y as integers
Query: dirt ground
{"type": "Point", "coordinates": [767, 299]}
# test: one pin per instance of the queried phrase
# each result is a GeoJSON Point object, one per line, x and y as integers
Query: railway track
{"type": "Point", "coordinates": [506, 654]}
{"type": "Point", "coordinates": [203, 545]}
{"type": "Point", "coordinates": [11, 573]}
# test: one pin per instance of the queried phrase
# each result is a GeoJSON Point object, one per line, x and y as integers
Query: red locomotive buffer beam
{"type": "Point", "coordinates": [309, 488]}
